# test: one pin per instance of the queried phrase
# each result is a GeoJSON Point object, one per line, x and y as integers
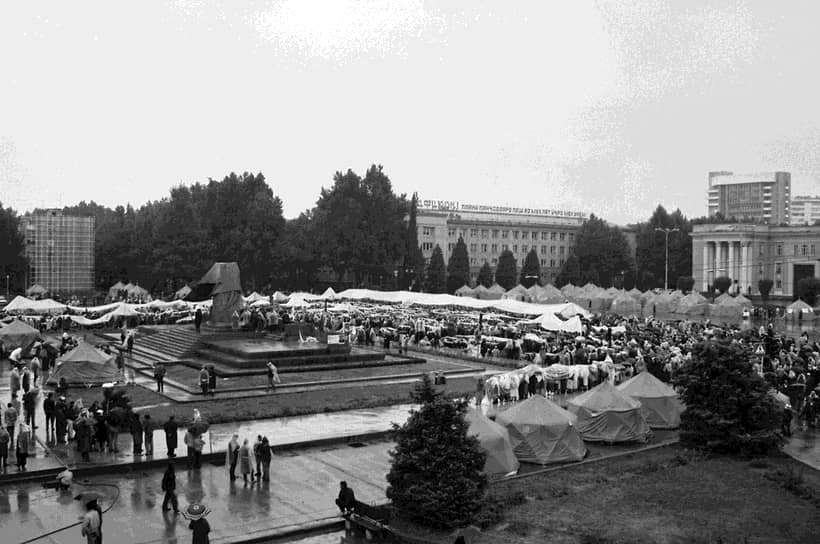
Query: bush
{"type": "Point", "coordinates": [728, 408]}
{"type": "Point", "coordinates": [722, 284]}
{"type": "Point", "coordinates": [436, 473]}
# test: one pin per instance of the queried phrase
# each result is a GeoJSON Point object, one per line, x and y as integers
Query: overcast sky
{"type": "Point", "coordinates": [605, 107]}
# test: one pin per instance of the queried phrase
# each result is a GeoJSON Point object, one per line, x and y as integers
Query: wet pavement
{"type": "Point", "coordinates": [804, 446]}
{"type": "Point", "coordinates": [303, 488]}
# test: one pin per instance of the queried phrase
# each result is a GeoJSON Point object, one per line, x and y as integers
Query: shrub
{"type": "Point", "coordinates": [728, 408]}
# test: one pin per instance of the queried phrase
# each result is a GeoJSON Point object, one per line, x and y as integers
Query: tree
{"type": "Point", "coordinates": [651, 247]}
{"type": "Point", "coordinates": [530, 270]}
{"type": "Point", "coordinates": [685, 283]}
{"type": "Point", "coordinates": [506, 272]}
{"type": "Point", "coordinates": [603, 252]}
{"type": "Point", "coordinates": [458, 268]}
{"type": "Point", "coordinates": [485, 275]}
{"type": "Point", "coordinates": [722, 284]}
{"type": "Point", "coordinates": [413, 257]}
{"type": "Point", "coordinates": [570, 272]}
{"type": "Point", "coordinates": [435, 280]}
{"type": "Point", "coordinates": [436, 469]}
{"type": "Point", "coordinates": [728, 408]}
{"type": "Point", "coordinates": [13, 261]}
{"type": "Point", "coordinates": [764, 285]}
{"type": "Point", "coordinates": [808, 289]}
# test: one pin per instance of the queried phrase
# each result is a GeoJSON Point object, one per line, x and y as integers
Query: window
{"type": "Point", "coordinates": [427, 246]}
{"type": "Point", "coordinates": [428, 231]}
{"type": "Point", "coordinates": [563, 236]}
{"type": "Point", "coordinates": [777, 269]}
{"type": "Point", "coordinates": [474, 233]}
{"type": "Point", "coordinates": [779, 250]}
{"type": "Point", "coordinates": [504, 247]}
{"type": "Point", "coordinates": [515, 248]}
{"type": "Point", "coordinates": [552, 250]}
{"type": "Point", "coordinates": [484, 248]}
{"type": "Point", "coordinates": [472, 261]}
{"type": "Point", "coordinates": [543, 262]}
{"type": "Point", "coordinates": [495, 233]}
{"type": "Point", "coordinates": [505, 234]}
{"type": "Point", "coordinates": [571, 236]}
{"type": "Point", "coordinates": [804, 250]}
{"type": "Point", "coordinates": [485, 233]}
{"type": "Point", "coordinates": [543, 235]}
{"type": "Point", "coordinates": [515, 234]}
{"type": "Point", "coordinates": [778, 284]}
{"type": "Point", "coordinates": [552, 236]}
{"type": "Point", "coordinates": [451, 233]}
{"type": "Point", "coordinates": [525, 235]}
{"type": "Point", "coordinates": [495, 248]}
{"type": "Point", "coordinates": [543, 250]}
{"type": "Point", "coordinates": [552, 263]}
{"type": "Point", "coordinates": [473, 247]}
{"type": "Point", "coordinates": [812, 249]}
{"type": "Point", "coordinates": [561, 262]}
{"type": "Point", "coordinates": [760, 271]}
{"type": "Point", "coordinates": [450, 246]}
{"type": "Point", "coordinates": [561, 250]}
{"type": "Point", "coordinates": [525, 248]}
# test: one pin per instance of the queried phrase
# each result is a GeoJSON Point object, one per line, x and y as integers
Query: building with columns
{"type": "Point", "coordinates": [747, 253]}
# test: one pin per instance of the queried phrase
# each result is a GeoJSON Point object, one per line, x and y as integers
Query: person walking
{"type": "Point", "coordinates": [266, 455]}
{"type": "Point", "coordinates": [159, 377]}
{"type": "Point", "coordinates": [232, 456]}
{"type": "Point", "coordinates": [194, 443]}
{"type": "Point", "coordinates": [91, 527]}
{"type": "Point", "coordinates": [171, 440]}
{"type": "Point", "coordinates": [10, 418]}
{"type": "Point", "coordinates": [50, 408]}
{"type": "Point", "coordinates": [23, 442]}
{"type": "Point", "coordinates": [136, 434]}
{"type": "Point", "coordinates": [204, 378]}
{"type": "Point", "coordinates": [199, 525]}
{"type": "Point", "coordinates": [36, 369]}
{"type": "Point", "coordinates": [27, 380]}
{"type": "Point", "coordinates": [29, 405]}
{"type": "Point", "coordinates": [273, 376]}
{"type": "Point", "coordinates": [148, 427]}
{"type": "Point", "coordinates": [246, 461]}
{"type": "Point", "coordinates": [257, 454]}
{"type": "Point", "coordinates": [130, 343]}
{"type": "Point", "coordinates": [14, 380]}
{"type": "Point", "coordinates": [169, 486]}
{"type": "Point", "coordinates": [5, 440]}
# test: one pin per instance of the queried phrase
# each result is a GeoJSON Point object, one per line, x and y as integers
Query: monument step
{"type": "Point", "coordinates": [231, 371]}
{"type": "Point", "coordinates": [289, 362]}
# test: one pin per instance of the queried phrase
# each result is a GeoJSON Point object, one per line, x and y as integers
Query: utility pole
{"type": "Point", "coordinates": [666, 265]}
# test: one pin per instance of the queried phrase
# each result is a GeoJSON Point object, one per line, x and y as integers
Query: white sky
{"type": "Point", "coordinates": [605, 107]}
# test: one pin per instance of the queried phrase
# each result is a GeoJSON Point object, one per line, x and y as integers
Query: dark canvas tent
{"type": "Point", "coordinates": [495, 441]}
{"type": "Point", "coordinates": [542, 432]}
{"type": "Point", "coordinates": [220, 278]}
{"type": "Point", "coordinates": [85, 365]}
{"type": "Point", "coordinates": [608, 415]}
{"type": "Point", "coordinates": [18, 334]}
{"type": "Point", "coordinates": [660, 404]}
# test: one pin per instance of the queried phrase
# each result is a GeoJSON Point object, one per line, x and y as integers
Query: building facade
{"type": "Point", "coordinates": [760, 198]}
{"type": "Point", "coordinates": [747, 253]}
{"type": "Point", "coordinates": [60, 251]}
{"type": "Point", "coordinates": [489, 230]}
{"type": "Point", "coordinates": [805, 210]}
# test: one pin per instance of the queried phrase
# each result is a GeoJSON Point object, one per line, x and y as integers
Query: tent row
{"type": "Point", "coordinates": [23, 305]}
{"type": "Point", "coordinates": [539, 431]}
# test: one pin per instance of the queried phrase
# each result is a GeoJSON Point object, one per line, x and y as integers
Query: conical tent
{"type": "Point", "coordinates": [744, 302]}
{"type": "Point", "coordinates": [495, 441]}
{"type": "Point", "coordinates": [18, 334]}
{"type": "Point", "coordinates": [608, 415]}
{"type": "Point", "coordinates": [480, 291]}
{"type": "Point", "coordinates": [727, 308]}
{"type": "Point", "coordinates": [85, 365]}
{"type": "Point", "coordinates": [465, 291]}
{"type": "Point", "coordinates": [799, 310]}
{"type": "Point", "coordinates": [542, 432]}
{"type": "Point", "coordinates": [329, 294]}
{"type": "Point", "coordinates": [549, 294]}
{"type": "Point", "coordinates": [635, 292]}
{"type": "Point", "coordinates": [36, 290]}
{"type": "Point", "coordinates": [660, 404]}
{"type": "Point", "coordinates": [625, 304]}
{"type": "Point", "coordinates": [255, 297]}
{"type": "Point", "coordinates": [494, 292]}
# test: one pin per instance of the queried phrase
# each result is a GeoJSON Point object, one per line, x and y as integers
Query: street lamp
{"type": "Point", "coordinates": [7, 286]}
{"type": "Point", "coordinates": [666, 264]}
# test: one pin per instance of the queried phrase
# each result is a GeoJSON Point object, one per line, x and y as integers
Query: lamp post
{"type": "Point", "coordinates": [666, 264]}
{"type": "Point", "coordinates": [7, 286]}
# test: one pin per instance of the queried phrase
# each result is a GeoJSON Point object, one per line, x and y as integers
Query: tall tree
{"type": "Point", "coordinates": [603, 251]}
{"type": "Point", "coordinates": [485, 275]}
{"type": "Point", "coordinates": [436, 468]}
{"type": "Point", "coordinates": [458, 267]}
{"type": "Point", "coordinates": [570, 272]}
{"type": "Point", "coordinates": [651, 248]}
{"type": "Point", "coordinates": [531, 269]}
{"type": "Point", "coordinates": [765, 287]}
{"type": "Point", "coordinates": [506, 273]}
{"type": "Point", "coordinates": [435, 279]}
{"type": "Point", "coordinates": [12, 251]}
{"type": "Point", "coordinates": [412, 256]}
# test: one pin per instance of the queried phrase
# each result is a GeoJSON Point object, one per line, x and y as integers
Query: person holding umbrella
{"type": "Point", "coordinates": [196, 513]}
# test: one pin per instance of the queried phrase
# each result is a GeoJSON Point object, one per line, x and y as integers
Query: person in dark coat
{"type": "Point", "coordinates": [212, 380]}
{"type": "Point", "coordinates": [169, 486]}
{"type": "Point", "coordinates": [171, 427]}
{"type": "Point", "coordinates": [786, 426]}
{"type": "Point", "coordinates": [198, 319]}
{"type": "Point", "coordinates": [346, 501]}
{"type": "Point", "coordinates": [84, 429]}
{"type": "Point", "coordinates": [61, 420]}
{"type": "Point", "coordinates": [523, 388]}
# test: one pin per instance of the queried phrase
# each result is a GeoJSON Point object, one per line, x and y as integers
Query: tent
{"type": "Point", "coordinates": [635, 293]}
{"type": "Point", "coordinates": [85, 365]}
{"type": "Point", "coordinates": [625, 304]}
{"type": "Point", "coordinates": [542, 432]}
{"type": "Point", "coordinates": [183, 292]}
{"type": "Point", "coordinates": [799, 311]}
{"type": "Point", "coordinates": [549, 294]}
{"type": "Point", "coordinates": [18, 334]}
{"type": "Point", "coordinates": [22, 304]}
{"type": "Point", "coordinates": [36, 290]}
{"type": "Point", "coordinates": [329, 294]}
{"type": "Point", "coordinates": [255, 297]}
{"type": "Point", "coordinates": [481, 292]}
{"type": "Point", "coordinates": [605, 414]}
{"type": "Point", "coordinates": [296, 301]}
{"type": "Point", "coordinates": [660, 404]}
{"type": "Point", "coordinates": [727, 308]}
{"type": "Point", "coordinates": [124, 310]}
{"type": "Point", "coordinates": [495, 441]}
{"type": "Point", "coordinates": [692, 304]}
{"type": "Point", "coordinates": [550, 322]}
{"type": "Point", "coordinates": [601, 301]}
{"type": "Point", "coordinates": [744, 302]}
{"type": "Point", "coordinates": [519, 292]}
{"type": "Point", "coordinates": [465, 291]}
{"type": "Point", "coordinates": [279, 296]}
{"type": "Point", "coordinates": [570, 309]}
{"type": "Point", "coordinates": [494, 292]}
{"type": "Point", "coordinates": [115, 289]}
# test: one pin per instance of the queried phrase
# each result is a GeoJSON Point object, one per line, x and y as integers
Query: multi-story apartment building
{"type": "Point", "coordinates": [805, 210]}
{"type": "Point", "coordinates": [60, 251]}
{"type": "Point", "coordinates": [759, 198]}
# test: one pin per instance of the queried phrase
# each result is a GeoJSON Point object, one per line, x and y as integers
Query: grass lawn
{"type": "Point", "coordinates": [275, 405]}
{"type": "Point", "coordinates": [190, 376]}
{"type": "Point", "coordinates": [667, 495]}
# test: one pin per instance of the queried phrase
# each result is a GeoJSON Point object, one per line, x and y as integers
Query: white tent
{"type": "Point", "coordinates": [799, 311]}
{"type": "Point", "coordinates": [329, 294]}
{"type": "Point", "coordinates": [255, 297]}
{"type": "Point", "coordinates": [124, 310]}
{"type": "Point", "coordinates": [22, 304]}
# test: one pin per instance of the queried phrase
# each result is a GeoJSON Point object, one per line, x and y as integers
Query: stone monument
{"type": "Point", "coordinates": [222, 284]}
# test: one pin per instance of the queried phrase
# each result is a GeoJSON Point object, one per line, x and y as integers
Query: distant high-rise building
{"type": "Point", "coordinates": [805, 210]}
{"type": "Point", "coordinates": [762, 198]}
{"type": "Point", "coordinates": [60, 251]}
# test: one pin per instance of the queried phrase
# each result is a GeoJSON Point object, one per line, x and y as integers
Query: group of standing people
{"type": "Point", "coordinates": [253, 461]}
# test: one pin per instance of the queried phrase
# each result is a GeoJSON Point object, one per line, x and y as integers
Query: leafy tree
{"type": "Point", "coordinates": [728, 408]}
{"type": "Point", "coordinates": [530, 270]}
{"type": "Point", "coordinates": [685, 283]}
{"type": "Point", "coordinates": [723, 283]}
{"type": "Point", "coordinates": [435, 279]}
{"type": "Point", "coordinates": [436, 471]}
{"type": "Point", "coordinates": [506, 272]}
{"type": "Point", "coordinates": [413, 257]}
{"type": "Point", "coordinates": [808, 289]}
{"type": "Point", "coordinates": [765, 287]}
{"type": "Point", "coordinates": [13, 261]}
{"type": "Point", "coordinates": [458, 268]}
{"type": "Point", "coordinates": [651, 247]}
{"type": "Point", "coordinates": [570, 272]}
{"type": "Point", "coordinates": [485, 275]}
{"type": "Point", "coordinates": [602, 251]}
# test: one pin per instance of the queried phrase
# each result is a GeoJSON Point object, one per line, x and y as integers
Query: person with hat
{"type": "Point", "coordinates": [91, 527]}
{"type": "Point", "coordinates": [196, 512]}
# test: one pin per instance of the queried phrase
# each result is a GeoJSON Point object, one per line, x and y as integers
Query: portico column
{"type": "Point", "coordinates": [730, 271]}
{"type": "Point", "coordinates": [747, 267]}
{"type": "Point", "coordinates": [705, 282]}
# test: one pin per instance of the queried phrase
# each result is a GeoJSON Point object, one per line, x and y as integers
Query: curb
{"type": "Point", "coordinates": [286, 531]}
{"type": "Point", "coordinates": [216, 458]}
